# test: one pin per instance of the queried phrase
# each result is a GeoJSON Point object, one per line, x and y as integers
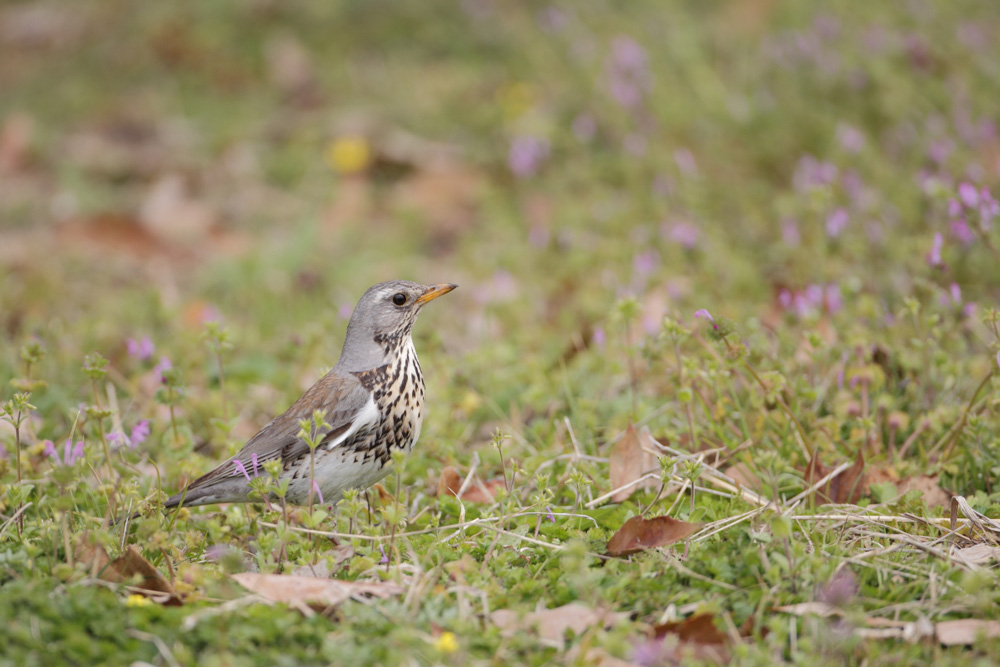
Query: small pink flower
{"type": "Point", "coordinates": [139, 433]}
{"type": "Point", "coordinates": [934, 256]}
{"type": "Point", "coordinates": [385, 557]}
{"type": "Point", "coordinates": [316, 490]}
{"type": "Point", "coordinates": [164, 365]}
{"type": "Point", "coordinates": [239, 469]}
{"type": "Point", "coordinates": [142, 349]}
{"type": "Point", "coordinates": [705, 314]}
{"type": "Point", "coordinates": [253, 463]}
{"type": "Point", "coordinates": [836, 222]}
{"type": "Point", "coordinates": [50, 448]}
{"type": "Point", "coordinates": [968, 194]}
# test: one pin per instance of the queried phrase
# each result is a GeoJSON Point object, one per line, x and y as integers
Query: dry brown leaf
{"type": "Point", "coordinates": [845, 487]}
{"type": "Point", "coordinates": [699, 639]}
{"type": "Point", "coordinates": [130, 568]}
{"type": "Point", "coordinates": [965, 631]}
{"type": "Point", "coordinates": [638, 534]}
{"type": "Point", "coordinates": [477, 492]}
{"type": "Point", "coordinates": [294, 589]}
{"type": "Point", "coordinates": [552, 624]}
{"type": "Point", "coordinates": [933, 494]}
{"type": "Point", "coordinates": [628, 462]}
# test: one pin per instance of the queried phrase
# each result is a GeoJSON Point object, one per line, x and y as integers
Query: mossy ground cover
{"type": "Point", "coordinates": [193, 195]}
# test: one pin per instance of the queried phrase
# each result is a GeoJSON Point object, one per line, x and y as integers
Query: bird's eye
{"type": "Point", "coordinates": [399, 298]}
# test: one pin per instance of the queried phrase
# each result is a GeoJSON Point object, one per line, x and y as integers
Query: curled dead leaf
{"type": "Point", "coordinates": [630, 459]}
{"type": "Point", "coordinates": [699, 639]}
{"type": "Point", "coordinates": [130, 568]}
{"type": "Point", "coordinates": [451, 480]}
{"type": "Point", "coordinates": [638, 534]}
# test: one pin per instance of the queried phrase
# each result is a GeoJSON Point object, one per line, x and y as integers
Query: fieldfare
{"type": "Point", "coordinates": [373, 401]}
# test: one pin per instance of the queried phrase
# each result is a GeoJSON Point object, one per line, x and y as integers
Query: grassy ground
{"type": "Point", "coordinates": [225, 179]}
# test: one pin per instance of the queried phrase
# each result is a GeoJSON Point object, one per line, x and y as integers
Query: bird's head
{"type": "Point", "coordinates": [382, 320]}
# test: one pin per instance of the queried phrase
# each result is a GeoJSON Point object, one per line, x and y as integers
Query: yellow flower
{"type": "Point", "coordinates": [446, 642]}
{"type": "Point", "coordinates": [349, 155]}
{"type": "Point", "coordinates": [515, 100]}
{"type": "Point", "coordinates": [136, 600]}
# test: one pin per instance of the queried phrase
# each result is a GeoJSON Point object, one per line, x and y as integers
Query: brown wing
{"type": "Point", "coordinates": [342, 397]}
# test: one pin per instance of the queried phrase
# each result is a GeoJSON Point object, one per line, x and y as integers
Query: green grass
{"type": "Point", "coordinates": [579, 283]}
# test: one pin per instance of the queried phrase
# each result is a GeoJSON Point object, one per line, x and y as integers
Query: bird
{"type": "Point", "coordinates": [373, 405]}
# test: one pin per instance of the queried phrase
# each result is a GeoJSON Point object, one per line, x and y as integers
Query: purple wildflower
{"type": "Point", "coordinates": [646, 263]}
{"type": "Point", "coordinates": [164, 365]}
{"type": "Point", "coordinates": [708, 316]}
{"type": "Point", "coordinates": [850, 138]}
{"type": "Point", "coordinates": [552, 517]}
{"type": "Point", "coordinates": [71, 452]}
{"type": "Point", "coordinates": [599, 337]}
{"type": "Point", "coordinates": [685, 234]}
{"type": "Point", "coordinates": [316, 490]}
{"type": "Point", "coordinates": [627, 72]}
{"type": "Point", "coordinates": [139, 433]}
{"type": "Point", "coordinates": [142, 349]}
{"type": "Point", "coordinates": [385, 558]}
{"type": "Point", "coordinates": [240, 469]}
{"type": "Point", "coordinates": [968, 194]}
{"type": "Point", "coordinates": [836, 222]}
{"type": "Point", "coordinates": [961, 232]}
{"type": "Point", "coordinates": [956, 293]}
{"type": "Point", "coordinates": [934, 256]}
{"type": "Point", "coordinates": [50, 448]}
{"type": "Point", "coordinates": [839, 590]}
{"type": "Point", "coordinates": [526, 155]}
{"type": "Point", "coordinates": [253, 463]}
{"type": "Point", "coordinates": [118, 439]}
{"type": "Point", "coordinates": [998, 359]}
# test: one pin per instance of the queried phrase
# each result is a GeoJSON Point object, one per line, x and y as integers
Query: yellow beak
{"type": "Point", "coordinates": [434, 291]}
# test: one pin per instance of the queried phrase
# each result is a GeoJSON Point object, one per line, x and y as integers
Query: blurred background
{"type": "Point", "coordinates": [262, 163]}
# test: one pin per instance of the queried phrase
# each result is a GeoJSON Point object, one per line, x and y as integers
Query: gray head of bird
{"type": "Point", "coordinates": [382, 321]}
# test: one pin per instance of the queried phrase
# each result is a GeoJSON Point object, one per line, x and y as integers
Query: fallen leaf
{"type": "Point", "coordinates": [698, 628]}
{"type": "Point", "coordinates": [977, 554]}
{"type": "Point", "coordinates": [629, 461]}
{"type": "Point", "coordinates": [845, 487]}
{"type": "Point", "coordinates": [933, 494]}
{"type": "Point", "coordinates": [322, 569]}
{"type": "Point", "coordinates": [130, 568]}
{"type": "Point", "coordinates": [477, 492]}
{"type": "Point", "coordinates": [965, 631]}
{"type": "Point", "coordinates": [638, 534]}
{"type": "Point", "coordinates": [552, 624]}
{"type": "Point", "coordinates": [295, 589]}
{"type": "Point", "coordinates": [699, 640]}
